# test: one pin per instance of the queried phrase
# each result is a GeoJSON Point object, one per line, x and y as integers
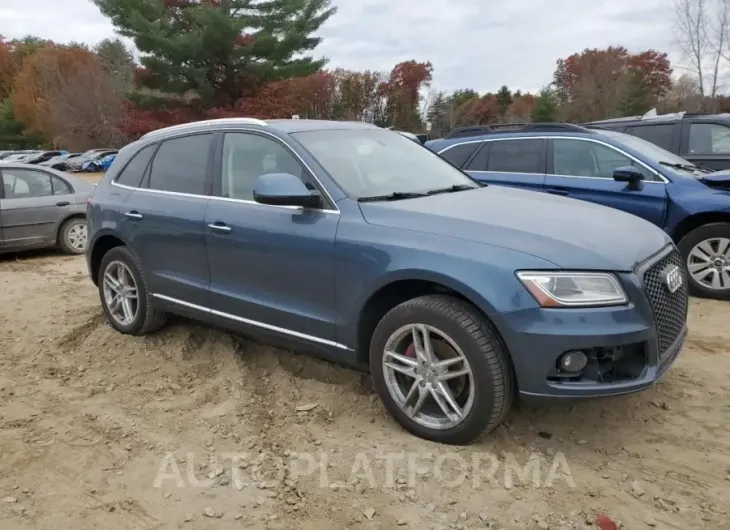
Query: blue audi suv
{"type": "Point", "coordinates": [356, 244]}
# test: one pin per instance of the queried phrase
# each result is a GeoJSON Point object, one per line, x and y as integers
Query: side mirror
{"type": "Point", "coordinates": [284, 189]}
{"type": "Point", "coordinates": [627, 174]}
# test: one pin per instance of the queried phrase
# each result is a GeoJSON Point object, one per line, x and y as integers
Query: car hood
{"type": "Point", "coordinates": [719, 180]}
{"type": "Point", "coordinates": [570, 233]}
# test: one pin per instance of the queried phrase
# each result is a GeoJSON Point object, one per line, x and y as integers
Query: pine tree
{"type": "Point", "coordinates": [118, 61]}
{"type": "Point", "coordinates": [220, 50]}
{"type": "Point", "coordinates": [504, 99]}
{"type": "Point", "coordinates": [636, 98]}
{"type": "Point", "coordinates": [546, 106]}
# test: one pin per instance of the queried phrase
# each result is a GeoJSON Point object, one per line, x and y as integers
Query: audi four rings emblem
{"type": "Point", "coordinates": [673, 278]}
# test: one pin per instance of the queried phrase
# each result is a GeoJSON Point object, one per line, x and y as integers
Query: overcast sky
{"type": "Point", "coordinates": [479, 44]}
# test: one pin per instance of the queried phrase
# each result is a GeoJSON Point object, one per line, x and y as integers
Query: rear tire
{"type": "Point", "coordinates": [481, 386]}
{"type": "Point", "coordinates": [73, 236]}
{"type": "Point", "coordinates": [124, 296]}
{"type": "Point", "coordinates": [706, 254]}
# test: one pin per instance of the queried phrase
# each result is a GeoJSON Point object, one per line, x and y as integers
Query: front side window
{"type": "Point", "coordinates": [374, 162]}
{"type": "Point", "coordinates": [580, 158]}
{"type": "Point", "coordinates": [709, 138]}
{"type": "Point", "coordinates": [25, 184]}
{"type": "Point", "coordinates": [516, 156]}
{"type": "Point", "coordinates": [248, 156]}
{"type": "Point", "coordinates": [180, 165]}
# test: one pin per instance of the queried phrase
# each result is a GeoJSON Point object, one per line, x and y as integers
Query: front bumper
{"type": "Point", "coordinates": [625, 338]}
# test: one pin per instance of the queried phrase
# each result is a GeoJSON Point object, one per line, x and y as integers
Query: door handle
{"type": "Point", "coordinates": [219, 227]}
{"type": "Point", "coordinates": [134, 214]}
{"type": "Point", "coordinates": [558, 191]}
{"type": "Point", "coordinates": [63, 203]}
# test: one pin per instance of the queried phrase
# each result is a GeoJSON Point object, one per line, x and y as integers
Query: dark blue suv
{"type": "Point", "coordinates": [359, 245]}
{"type": "Point", "coordinates": [690, 203]}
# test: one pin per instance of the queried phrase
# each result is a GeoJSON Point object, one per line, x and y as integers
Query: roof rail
{"type": "Point", "coordinates": [478, 130]}
{"type": "Point", "coordinates": [472, 130]}
{"type": "Point", "coordinates": [203, 123]}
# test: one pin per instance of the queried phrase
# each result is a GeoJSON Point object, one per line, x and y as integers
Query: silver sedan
{"type": "Point", "coordinates": [42, 207]}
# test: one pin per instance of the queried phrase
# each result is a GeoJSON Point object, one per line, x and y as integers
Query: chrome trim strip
{"type": "Point", "coordinates": [558, 175]}
{"type": "Point", "coordinates": [254, 323]}
{"type": "Point", "coordinates": [191, 126]}
{"type": "Point", "coordinates": [460, 143]}
{"type": "Point", "coordinates": [664, 180]}
{"type": "Point", "coordinates": [225, 129]}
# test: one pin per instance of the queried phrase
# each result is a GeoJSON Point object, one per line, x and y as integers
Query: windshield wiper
{"type": "Point", "coordinates": [395, 196]}
{"type": "Point", "coordinates": [684, 167]}
{"type": "Point", "coordinates": [451, 189]}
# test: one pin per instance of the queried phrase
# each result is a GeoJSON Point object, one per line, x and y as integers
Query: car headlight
{"type": "Point", "coordinates": [573, 289]}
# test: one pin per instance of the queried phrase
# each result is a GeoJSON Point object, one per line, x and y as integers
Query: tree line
{"type": "Point", "coordinates": [219, 58]}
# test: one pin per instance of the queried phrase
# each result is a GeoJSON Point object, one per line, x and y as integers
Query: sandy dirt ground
{"type": "Point", "coordinates": [194, 428]}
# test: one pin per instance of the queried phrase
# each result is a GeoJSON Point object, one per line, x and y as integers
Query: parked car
{"type": "Point", "coordinates": [617, 170]}
{"type": "Point", "coordinates": [357, 244]}
{"type": "Point", "coordinates": [41, 156]}
{"type": "Point", "coordinates": [59, 162]}
{"type": "Point", "coordinates": [40, 207]}
{"type": "Point", "coordinates": [99, 165]}
{"type": "Point", "coordinates": [5, 154]}
{"type": "Point", "coordinates": [77, 163]}
{"type": "Point", "coordinates": [703, 139]}
{"type": "Point", "coordinates": [19, 156]}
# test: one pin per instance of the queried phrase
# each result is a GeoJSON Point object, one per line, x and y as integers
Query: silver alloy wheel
{"type": "Point", "coordinates": [709, 263]}
{"type": "Point", "coordinates": [77, 236]}
{"type": "Point", "coordinates": [120, 293]}
{"type": "Point", "coordinates": [428, 376]}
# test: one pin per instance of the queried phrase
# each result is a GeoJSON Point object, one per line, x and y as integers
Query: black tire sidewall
{"type": "Point", "coordinates": [63, 240]}
{"type": "Point", "coordinates": [125, 256]}
{"type": "Point", "coordinates": [484, 398]}
{"type": "Point", "coordinates": [686, 245]}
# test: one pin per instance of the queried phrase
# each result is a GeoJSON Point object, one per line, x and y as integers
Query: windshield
{"type": "Point", "coordinates": [652, 151]}
{"type": "Point", "coordinates": [374, 162]}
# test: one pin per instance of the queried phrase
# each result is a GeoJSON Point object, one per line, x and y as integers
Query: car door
{"type": "Point", "coordinates": [271, 267]}
{"type": "Point", "coordinates": [30, 210]}
{"type": "Point", "coordinates": [514, 162]}
{"type": "Point", "coordinates": [163, 218]}
{"type": "Point", "coordinates": [706, 143]}
{"type": "Point", "coordinates": [583, 169]}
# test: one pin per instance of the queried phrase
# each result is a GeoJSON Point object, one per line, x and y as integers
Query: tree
{"type": "Point", "coordinates": [636, 98]}
{"type": "Point", "coordinates": [220, 50]}
{"type": "Point", "coordinates": [589, 84]}
{"type": "Point", "coordinates": [66, 95]}
{"type": "Point", "coordinates": [118, 62]}
{"type": "Point", "coordinates": [521, 109]}
{"type": "Point", "coordinates": [546, 106]}
{"type": "Point", "coordinates": [403, 90]}
{"type": "Point", "coordinates": [355, 94]}
{"type": "Point", "coordinates": [504, 99]}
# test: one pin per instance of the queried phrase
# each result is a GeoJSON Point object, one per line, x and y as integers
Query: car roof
{"type": "Point", "coordinates": [496, 136]}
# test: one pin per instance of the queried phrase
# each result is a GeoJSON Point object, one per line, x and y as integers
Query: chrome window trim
{"type": "Point", "coordinates": [663, 179]}
{"type": "Point", "coordinates": [254, 323]}
{"type": "Point", "coordinates": [460, 143]}
{"type": "Point", "coordinates": [244, 201]}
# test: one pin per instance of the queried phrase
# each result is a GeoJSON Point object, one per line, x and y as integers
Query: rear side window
{"type": "Point", "coordinates": [709, 138]}
{"type": "Point", "coordinates": [660, 135]}
{"type": "Point", "coordinates": [180, 165]}
{"type": "Point", "coordinates": [517, 156]}
{"type": "Point", "coordinates": [132, 174]}
{"type": "Point", "coordinates": [459, 154]}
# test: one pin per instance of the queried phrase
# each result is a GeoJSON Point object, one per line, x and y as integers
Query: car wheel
{"type": "Point", "coordinates": [73, 236]}
{"type": "Point", "coordinates": [706, 251]}
{"type": "Point", "coordinates": [124, 296]}
{"type": "Point", "coordinates": [441, 369]}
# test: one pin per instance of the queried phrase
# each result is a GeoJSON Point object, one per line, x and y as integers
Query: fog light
{"type": "Point", "coordinates": [573, 361]}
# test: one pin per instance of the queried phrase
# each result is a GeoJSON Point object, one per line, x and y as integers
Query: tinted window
{"type": "Point", "coordinates": [60, 187]}
{"type": "Point", "coordinates": [180, 165]}
{"type": "Point", "coordinates": [516, 156]}
{"type": "Point", "coordinates": [132, 174]}
{"type": "Point", "coordinates": [459, 154]}
{"type": "Point", "coordinates": [248, 156]}
{"type": "Point", "coordinates": [23, 184]}
{"type": "Point", "coordinates": [578, 158]}
{"type": "Point", "coordinates": [709, 138]}
{"type": "Point", "coordinates": [660, 135]}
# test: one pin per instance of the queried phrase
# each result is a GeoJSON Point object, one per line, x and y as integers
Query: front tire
{"type": "Point", "coordinates": [124, 296]}
{"type": "Point", "coordinates": [73, 236]}
{"type": "Point", "coordinates": [706, 253]}
{"type": "Point", "coordinates": [441, 369]}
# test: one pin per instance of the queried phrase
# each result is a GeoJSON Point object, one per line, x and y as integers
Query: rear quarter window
{"type": "Point", "coordinates": [132, 174]}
